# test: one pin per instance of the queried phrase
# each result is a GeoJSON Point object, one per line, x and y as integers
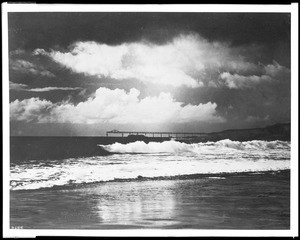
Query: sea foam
{"type": "Point", "coordinates": [151, 160]}
{"type": "Point", "coordinates": [176, 146]}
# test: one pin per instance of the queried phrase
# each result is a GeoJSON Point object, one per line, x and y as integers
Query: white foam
{"type": "Point", "coordinates": [151, 147]}
{"type": "Point", "coordinates": [164, 159]}
{"type": "Point", "coordinates": [175, 146]}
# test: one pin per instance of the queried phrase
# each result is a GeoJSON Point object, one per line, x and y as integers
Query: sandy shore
{"type": "Point", "coordinates": [249, 201]}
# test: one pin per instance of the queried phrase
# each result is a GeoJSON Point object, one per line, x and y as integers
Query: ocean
{"type": "Point", "coordinates": [112, 183]}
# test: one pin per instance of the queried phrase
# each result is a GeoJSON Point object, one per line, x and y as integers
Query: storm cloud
{"type": "Point", "coordinates": [180, 70]}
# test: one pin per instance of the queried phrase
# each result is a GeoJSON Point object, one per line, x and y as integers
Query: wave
{"type": "Point", "coordinates": [45, 185]}
{"type": "Point", "coordinates": [139, 160]}
{"type": "Point", "coordinates": [180, 147]}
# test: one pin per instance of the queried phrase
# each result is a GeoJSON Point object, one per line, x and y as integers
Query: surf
{"type": "Point", "coordinates": [173, 146]}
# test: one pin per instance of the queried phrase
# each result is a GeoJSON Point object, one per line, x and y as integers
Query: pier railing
{"type": "Point", "coordinates": [117, 133]}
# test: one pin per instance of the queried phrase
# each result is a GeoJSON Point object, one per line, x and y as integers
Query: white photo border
{"type": "Point", "coordinates": [231, 8]}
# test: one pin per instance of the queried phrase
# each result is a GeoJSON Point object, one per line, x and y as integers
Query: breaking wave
{"type": "Point", "coordinates": [139, 160]}
{"type": "Point", "coordinates": [180, 147]}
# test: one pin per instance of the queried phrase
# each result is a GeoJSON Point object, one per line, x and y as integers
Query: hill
{"type": "Point", "coordinates": [280, 131]}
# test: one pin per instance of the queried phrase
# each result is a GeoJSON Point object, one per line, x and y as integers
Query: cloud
{"type": "Point", "coordinates": [272, 73]}
{"type": "Point", "coordinates": [17, 52]}
{"type": "Point", "coordinates": [28, 67]}
{"type": "Point", "coordinates": [257, 119]}
{"type": "Point", "coordinates": [114, 106]}
{"type": "Point", "coordinates": [39, 51]}
{"type": "Point", "coordinates": [17, 86]}
{"type": "Point", "coordinates": [47, 89]}
{"type": "Point", "coordinates": [24, 87]}
{"type": "Point", "coordinates": [28, 110]}
{"type": "Point", "coordinates": [241, 82]}
{"type": "Point", "coordinates": [185, 60]}
{"type": "Point", "coordinates": [277, 71]}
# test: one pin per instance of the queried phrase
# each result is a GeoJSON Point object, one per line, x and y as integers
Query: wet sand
{"type": "Point", "coordinates": [243, 201]}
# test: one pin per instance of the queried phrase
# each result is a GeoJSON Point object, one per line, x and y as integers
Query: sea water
{"type": "Point", "coordinates": [152, 160]}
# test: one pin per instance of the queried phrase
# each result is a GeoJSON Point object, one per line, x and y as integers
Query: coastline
{"type": "Point", "coordinates": [236, 201]}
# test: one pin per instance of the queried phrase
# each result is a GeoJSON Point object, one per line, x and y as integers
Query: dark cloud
{"type": "Point", "coordinates": [246, 73]}
{"type": "Point", "coordinates": [58, 30]}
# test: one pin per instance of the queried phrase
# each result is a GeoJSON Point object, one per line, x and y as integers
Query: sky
{"type": "Point", "coordinates": [82, 74]}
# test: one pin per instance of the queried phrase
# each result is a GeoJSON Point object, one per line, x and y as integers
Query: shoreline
{"type": "Point", "coordinates": [251, 201]}
{"type": "Point", "coordinates": [140, 178]}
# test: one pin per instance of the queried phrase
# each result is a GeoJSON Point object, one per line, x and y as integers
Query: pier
{"type": "Point", "coordinates": [116, 133]}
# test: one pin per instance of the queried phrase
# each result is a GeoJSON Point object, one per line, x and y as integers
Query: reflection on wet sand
{"type": "Point", "coordinates": [203, 203]}
{"type": "Point", "coordinates": [140, 205]}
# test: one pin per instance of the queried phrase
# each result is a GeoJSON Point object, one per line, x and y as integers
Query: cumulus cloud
{"type": "Point", "coordinates": [28, 110]}
{"type": "Point", "coordinates": [183, 61]}
{"type": "Point", "coordinates": [28, 67]}
{"type": "Point", "coordinates": [114, 106]}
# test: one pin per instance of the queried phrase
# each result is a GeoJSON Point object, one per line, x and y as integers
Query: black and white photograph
{"type": "Point", "coordinates": [165, 119]}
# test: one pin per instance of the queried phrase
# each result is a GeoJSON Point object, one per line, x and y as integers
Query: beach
{"type": "Point", "coordinates": [234, 201]}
